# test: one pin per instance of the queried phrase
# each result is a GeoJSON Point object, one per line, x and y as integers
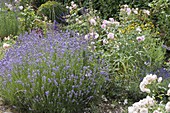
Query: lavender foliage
{"type": "Point", "coordinates": [53, 74]}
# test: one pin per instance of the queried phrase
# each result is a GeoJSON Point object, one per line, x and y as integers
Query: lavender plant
{"type": "Point", "coordinates": [56, 74]}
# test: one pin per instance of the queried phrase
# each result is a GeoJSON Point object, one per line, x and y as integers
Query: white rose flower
{"type": "Point", "coordinates": [21, 7]}
{"type": "Point", "coordinates": [159, 79]}
{"type": "Point", "coordinates": [131, 109]}
{"type": "Point", "coordinates": [169, 85]}
{"type": "Point", "coordinates": [86, 37]}
{"type": "Point", "coordinates": [150, 100]}
{"type": "Point", "coordinates": [168, 92]}
{"type": "Point", "coordinates": [167, 107]}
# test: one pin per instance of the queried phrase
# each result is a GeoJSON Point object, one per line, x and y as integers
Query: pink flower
{"type": "Point", "coordinates": [103, 26]}
{"type": "Point", "coordinates": [128, 10]}
{"type": "Point", "coordinates": [5, 45]}
{"type": "Point", "coordinates": [110, 36]}
{"type": "Point", "coordinates": [106, 22]}
{"type": "Point", "coordinates": [140, 38]}
{"type": "Point", "coordinates": [111, 19]}
{"type": "Point", "coordinates": [93, 22]}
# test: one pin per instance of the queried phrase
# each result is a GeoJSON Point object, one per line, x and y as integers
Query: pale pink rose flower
{"type": "Point", "coordinates": [93, 22]}
{"type": "Point", "coordinates": [74, 6]}
{"type": "Point", "coordinates": [103, 26]}
{"type": "Point", "coordinates": [106, 22]}
{"type": "Point", "coordinates": [140, 38]}
{"type": "Point", "coordinates": [111, 19]}
{"type": "Point", "coordinates": [115, 22]}
{"type": "Point", "coordinates": [128, 10]}
{"type": "Point", "coordinates": [5, 45]}
{"type": "Point", "coordinates": [110, 36]}
{"type": "Point", "coordinates": [146, 12]}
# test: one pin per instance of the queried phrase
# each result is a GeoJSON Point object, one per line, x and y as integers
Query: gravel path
{"type": "Point", "coordinates": [5, 108]}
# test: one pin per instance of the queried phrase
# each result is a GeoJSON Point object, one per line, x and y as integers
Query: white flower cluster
{"type": "Point", "coordinates": [167, 107]}
{"type": "Point", "coordinates": [73, 6]}
{"type": "Point", "coordinates": [142, 106]}
{"type": "Point", "coordinates": [128, 10]}
{"type": "Point", "coordinates": [148, 80]}
{"type": "Point", "coordinates": [111, 21]}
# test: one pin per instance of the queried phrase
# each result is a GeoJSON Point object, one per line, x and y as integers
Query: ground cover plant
{"type": "Point", "coordinates": [95, 62]}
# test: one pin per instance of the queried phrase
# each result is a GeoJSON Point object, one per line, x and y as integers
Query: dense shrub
{"type": "Point", "coordinates": [9, 23]}
{"type": "Point", "coordinates": [54, 74]}
{"type": "Point", "coordinates": [53, 10]}
{"type": "Point", "coordinates": [37, 3]}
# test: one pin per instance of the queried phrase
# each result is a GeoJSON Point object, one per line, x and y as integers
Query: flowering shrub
{"type": "Point", "coordinates": [129, 46]}
{"type": "Point", "coordinates": [54, 74]}
{"type": "Point", "coordinates": [157, 99]}
{"type": "Point", "coordinates": [82, 19]}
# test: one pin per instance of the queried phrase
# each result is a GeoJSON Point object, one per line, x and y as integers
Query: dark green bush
{"type": "Point", "coordinates": [160, 14]}
{"type": "Point", "coordinates": [53, 10]}
{"type": "Point", "coordinates": [34, 3]}
{"type": "Point", "coordinates": [8, 24]}
{"type": "Point", "coordinates": [37, 3]}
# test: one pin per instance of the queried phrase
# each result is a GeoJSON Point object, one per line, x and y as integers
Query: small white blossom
{"type": "Point", "coordinates": [105, 41]}
{"type": "Point", "coordinates": [20, 7]}
{"type": "Point", "coordinates": [169, 85]}
{"type": "Point", "coordinates": [138, 29]}
{"type": "Point", "coordinates": [86, 37]}
{"type": "Point", "coordinates": [7, 38]}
